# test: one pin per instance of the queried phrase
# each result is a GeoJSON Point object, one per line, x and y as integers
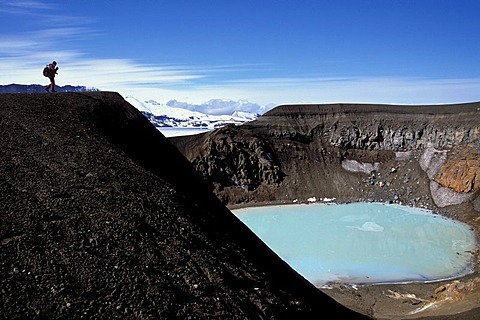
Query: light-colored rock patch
{"type": "Point", "coordinates": [355, 166]}
{"type": "Point", "coordinates": [444, 197]}
{"type": "Point", "coordinates": [432, 160]}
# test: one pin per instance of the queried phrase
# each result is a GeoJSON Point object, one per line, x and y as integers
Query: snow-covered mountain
{"type": "Point", "coordinates": [163, 115]}
{"type": "Point", "coordinates": [19, 88]}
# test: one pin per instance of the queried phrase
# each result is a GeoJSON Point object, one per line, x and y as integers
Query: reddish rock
{"type": "Point", "coordinates": [462, 171]}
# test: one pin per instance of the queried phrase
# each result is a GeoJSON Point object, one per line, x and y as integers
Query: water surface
{"type": "Point", "coordinates": [364, 242]}
{"type": "Point", "coordinates": [179, 131]}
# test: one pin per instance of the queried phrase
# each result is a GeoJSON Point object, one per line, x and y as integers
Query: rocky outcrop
{"type": "Point", "coordinates": [398, 137]}
{"type": "Point", "coordinates": [244, 164]}
{"type": "Point", "coordinates": [348, 151]}
{"type": "Point", "coordinates": [462, 172]}
{"type": "Point", "coordinates": [432, 161]}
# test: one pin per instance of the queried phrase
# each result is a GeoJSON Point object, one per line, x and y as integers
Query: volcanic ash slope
{"type": "Point", "coordinates": [102, 217]}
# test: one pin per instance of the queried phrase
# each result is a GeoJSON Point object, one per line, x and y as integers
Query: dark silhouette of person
{"type": "Point", "coordinates": [52, 70]}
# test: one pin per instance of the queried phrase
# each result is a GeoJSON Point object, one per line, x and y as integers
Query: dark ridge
{"type": "Point", "coordinates": [318, 109]}
{"type": "Point", "coordinates": [102, 217]}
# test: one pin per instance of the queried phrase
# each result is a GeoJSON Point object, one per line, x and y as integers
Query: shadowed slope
{"type": "Point", "coordinates": [102, 217]}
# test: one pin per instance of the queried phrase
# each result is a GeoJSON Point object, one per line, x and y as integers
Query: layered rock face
{"type": "Point", "coordinates": [348, 151]}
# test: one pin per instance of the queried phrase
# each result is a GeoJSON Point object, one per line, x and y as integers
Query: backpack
{"type": "Point", "coordinates": [46, 71]}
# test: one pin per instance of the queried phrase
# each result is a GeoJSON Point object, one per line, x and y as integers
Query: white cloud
{"type": "Point", "coordinates": [326, 90]}
{"type": "Point", "coordinates": [24, 7]}
{"type": "Point", "coordinates": [21, 62]}
{"type": "Point", "coordinates": [117, 74]}
{"type": "Point", "coordinates": [42, 12]}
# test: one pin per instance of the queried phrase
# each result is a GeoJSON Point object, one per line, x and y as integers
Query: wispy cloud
{"type": "Point", "coordinates": [23, 55]}
{"type": "Point", "coordinates": [31, 43]}
{"type": "Point", "coordinates": [24, 7]}
{"type": "Point", "coordinates": [112, 74]}
{"type": "Point", "coordinates": [44, 12]}
{"type": "Point", "coordinates": [399, 90]}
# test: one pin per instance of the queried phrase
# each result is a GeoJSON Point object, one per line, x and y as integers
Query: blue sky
{"type": "Point", "coordinates": [264, 51]}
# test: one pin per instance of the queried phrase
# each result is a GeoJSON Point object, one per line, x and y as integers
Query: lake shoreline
{"type": "Point", "coordinates": [436, 299]}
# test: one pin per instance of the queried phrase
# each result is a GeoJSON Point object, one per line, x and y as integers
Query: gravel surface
{"type": "Point", "coordinates": [102, 217]}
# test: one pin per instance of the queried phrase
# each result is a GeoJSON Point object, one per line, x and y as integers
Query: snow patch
{"type": "Point", "coordinates": [328, 199]}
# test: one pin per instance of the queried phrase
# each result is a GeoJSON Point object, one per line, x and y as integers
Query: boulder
{"type": "Point", "coordinates": [462, 171]}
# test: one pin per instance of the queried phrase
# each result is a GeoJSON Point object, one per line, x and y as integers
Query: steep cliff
{"type": "Point", "coordinates": [350, 152]}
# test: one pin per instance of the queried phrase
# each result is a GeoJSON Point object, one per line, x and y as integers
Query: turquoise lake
{"type": "Point", "coordinates": [362, 243]}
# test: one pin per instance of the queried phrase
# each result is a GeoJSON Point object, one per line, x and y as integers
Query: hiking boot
{"type": "Point", "coordinates": [54, 90]}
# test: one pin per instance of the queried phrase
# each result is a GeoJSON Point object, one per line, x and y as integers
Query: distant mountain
{"type": "Point", "coordinates": [162, 115]}
{"type": "Point", "coordinates": [20, 88]}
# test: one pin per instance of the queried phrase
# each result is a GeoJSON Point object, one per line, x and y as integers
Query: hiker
{"type": "Point", "coordinates": [50, 71]}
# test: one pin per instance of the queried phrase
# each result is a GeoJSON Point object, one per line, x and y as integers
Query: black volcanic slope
{"type": "Point", "coordinates": [101, 217]}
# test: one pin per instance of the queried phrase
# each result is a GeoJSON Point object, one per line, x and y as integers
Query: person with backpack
{"type": "Point", "coordinates": [50, 71]}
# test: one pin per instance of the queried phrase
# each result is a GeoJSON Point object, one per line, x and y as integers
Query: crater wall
{"type": "Point", "coordinates": [351, 152]}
